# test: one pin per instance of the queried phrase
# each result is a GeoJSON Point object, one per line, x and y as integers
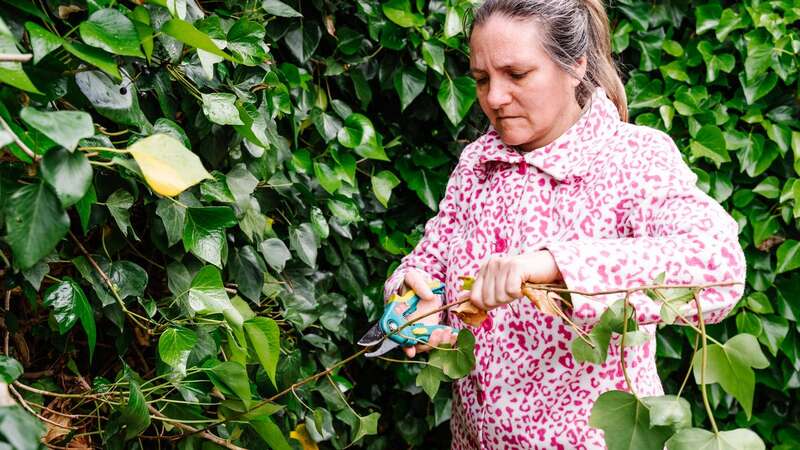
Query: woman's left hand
{"type": "Point", "coordinates": [500, 278]}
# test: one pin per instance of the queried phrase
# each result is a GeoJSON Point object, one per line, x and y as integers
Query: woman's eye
{"type": "Point", "coordinates": [481, 80]}
{"type": "Point", "coordinates": [519, 75]}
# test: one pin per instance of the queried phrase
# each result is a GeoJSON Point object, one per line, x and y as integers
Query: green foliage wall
{"type": "Point", "coordinates": [329, 129]}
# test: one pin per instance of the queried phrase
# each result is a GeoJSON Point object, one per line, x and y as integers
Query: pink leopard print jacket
{"type": "Point", "coordinates": [616, 206]}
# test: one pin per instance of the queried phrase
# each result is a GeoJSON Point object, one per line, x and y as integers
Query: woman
{"type": "Point", "coordinates": [560, 189]}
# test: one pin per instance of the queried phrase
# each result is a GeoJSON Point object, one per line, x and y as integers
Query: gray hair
{"type": "Point", "coordinates": [571, 29]}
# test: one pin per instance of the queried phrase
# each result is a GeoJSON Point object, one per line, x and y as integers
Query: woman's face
{"type": "Point", "coordinates": [528, 98]}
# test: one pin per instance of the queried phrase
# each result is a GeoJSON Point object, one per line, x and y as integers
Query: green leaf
{"type": "Point", "coordinates": [207, 294]}
{"type": "Point", "coordinates": [11, 73]}
{"type": "Point", "coordinates": [270, 433]}
{"type": "Point", "coordinates": [319, 224]}
{"type": "Point", "coordinates": [731, 365]}
{"type": "Point", "coordinates": [367, 425]}
{"type": "Point", "coordinates": [116, 101]}
{"type": "Point", "coordinates": [275, 253]}
{"type": "Point", "coordinates": [382, 185]}
{"type": "Point", "coordinates": [264, 336]}
{"type": "Point", "coordinates": [69, 174]}
{"type": "Point", "coordinates": [280, 9]}
{"type": "Point", "coordinates": [359, 134]}
{"type": "Point", "coordinates": [35, 223]}
{"type": "Point", "coordinates": [246, 42]}
{"type": "Point", "coordinates": [99, 58]}
{"type": "Point", "coordinates": [788, 256]}
{"type": "Point", "coordinates": [65, 128]}
{"type": "Point", "coordinates": [174, 347]}
{"type": "Point", "coordinates": [759, 54]}
{"type": "Point", "coordinates": [456, 97]}
{"type": "Point", "coordinates": [668, 411]}
{"type": "Point", "coordinates": [173, 217]}
{"type": "Point", "coordinates": [769, 187]}
{"type": "Point", "coordinates": [433, 55]}
{"type": "Point", "coordinates": [699, 439]}
{"type": "Point", "coordinates": [399, 12]}
{"type": "Point", "coordinates": [188, 34]}
{"type": "Point", "coordinates": [707, 17]}
{"type": "Point", "coordinates": [344, 209]}
{"type": "Point", "coordinates": [409, 83]}
{"type": "Point", "coordinates": [303, 40]}
{"type": "Point", "coordinates": [20, 429]}
{"type": "Point", "coordinates": [134, 415]}
{"type": "Point", "coordinates": [775, 329]}
{"type": "Point", "coordinates": [220, 109]}
{"type": "Point", "coordinates": [204, 232]}
{"type": "Point", "coordinates": [755, 89]}
{"type": "Point", "coordinates": [69, 305]}
{"type": "Point", "coordinates": [459, 362]}
{"type": "Point", "coordinates": [141, 21]}
{"type": "Point", "coordinates": [710, 143]}
{"type": "Point", "coordinates": [10, 369]}
{"type": "Point", "coordinates": [304, 242]}
{"type": "Point", "coordinates": [232, 375]}
{"type": "Point", "coordinates": [119, 205]}
{"type": "Point", "coordinates": [625, 421]}
{"type": "Point", "coordinates": [247, 271]}
{"type": "Point", "coordinates": [43, 42]}
{"type": "Point", "coordinates": [112, 31]}
{"type": "Point", "coordinates": [327, 177]}
{"type": "Point", "coordinates": [429, 378]}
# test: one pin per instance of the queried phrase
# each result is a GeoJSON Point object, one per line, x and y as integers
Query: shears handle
{"type": "Point", "coordinates": [416, 333]}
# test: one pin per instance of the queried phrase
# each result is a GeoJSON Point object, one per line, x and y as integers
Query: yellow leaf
{"type": "Point", "coordinates": [300, 434]}
{"type": "Point", "coordinates": [168, 167]}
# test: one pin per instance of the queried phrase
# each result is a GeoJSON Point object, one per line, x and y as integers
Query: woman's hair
{"type": "Point", "coordinates": [570, 29]}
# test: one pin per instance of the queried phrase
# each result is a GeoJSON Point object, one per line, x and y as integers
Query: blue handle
{"type": "Point", "coordinates": [417, 333]}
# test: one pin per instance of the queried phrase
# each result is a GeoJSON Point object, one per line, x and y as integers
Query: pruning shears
{"type": "Point", "coordinates": [392, 329]}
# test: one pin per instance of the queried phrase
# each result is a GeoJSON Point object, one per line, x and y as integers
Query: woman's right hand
{"type": "Point", "coordinates": [428, 301]}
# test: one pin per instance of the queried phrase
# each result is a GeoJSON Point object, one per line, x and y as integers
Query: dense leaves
{"type": "Point", "coordinates": [241, 178]}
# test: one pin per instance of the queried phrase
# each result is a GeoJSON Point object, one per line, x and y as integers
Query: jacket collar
{"type": "Point", "coordinates": [571, 154]}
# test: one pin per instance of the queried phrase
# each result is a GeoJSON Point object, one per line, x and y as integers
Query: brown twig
{"type": "Point", "coordinates": [15, 57]}
{"type": "Point", "coordinates": [201, 432]}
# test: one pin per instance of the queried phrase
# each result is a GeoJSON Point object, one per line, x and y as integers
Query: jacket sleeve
{"type": "Point", "coordinates": [430, 254]}
{"type": "Point", "coordinates": [671, 228]}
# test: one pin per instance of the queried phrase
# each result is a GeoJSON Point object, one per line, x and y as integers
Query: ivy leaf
{"type": "Point", "coordinates": [173, 217]}
{"type": "Point", "coordinates": [625, 421]}
{"type": "Point", "coordinates": [456, 97]}
{"type": "Point", "coordinates": [788, 255]}
{"type": "Point", "coordinates": [247, 270]}
{"type": "Point", "coordinates": [269, 432]}
{"type": "Point", "coordinates": [731, 365]}
{"type": "Point", "coordinates": [668, 411]}
{"type": "Point", "coordinates": [246, 42]}
{"type": "Point", "coordinates": [359, 134]}
{"type": "Point", "coordinates": [275, 253]}
{"type": "Point", "coordinates": [69, 174]}
{"type": "Point", "coordinates": [220, 109]}
{"type": "Point", "coordinates": [327, 177]}
{"type": "Point", "coordinates": [264, 336]}
{"type": "Point", "coordinates": [134, 415]}
{"type": "Point", "coordinates": [116, 101]}
{"type": "Point", "coordinates": [43, 42]}
{"type": "Point", "coordinates": [699, 439]}
{"type": "Point", "coordinates": [188, 34]}
{"type": "Point", "coordinates": [433, 55]}
{"type": "Point", "coordinates": [119, 205]}
{"type": "Point", "coordinates": [11, 73]}
{"type": "Point", "coordinates": [304, 242]}
{"type": "Point", "coordinates": [303, 40]}
{"type": "Point", "coordinates": [207, 294]}
{"type": "Point", "coordinates": [280, 9]}
{"type": "Point", "coordinates": [382, 185]}
{"type": "Point", "coordinates": [35, 223]}
{"type": "Point", "coordinates": [319, 224]}
{"type": "Point", "coordinates": [168, 167]}
{"type": "Point", "coordinates": [707, 17]}
{"type": "Point", "coordinates": [399, 12]}
{"type": "Point", "coordinates": [174, 347]}
{"type": "Point", "coordinates": [757, 88]}
{"type": "Point", "coordinates": [94, 56]}
{"type": "Point", "coordinates": [69, 305]}
{"type": "Point", "coordinates": [710, 143]}
{"type": "Point", "coordinates": [367, 425]}
{"type": "Point", "coordinates": [204, 232]}
{"type": "Point", "coordinates": [65, 128]}
{"type": "Point", "coordinates": [112, 31]}
{"type": "Point", "coordinates": [409, 83]}
{"type": "Point", "coordinates": [230, 375]}
{"type": "Point", "coordinates": [429, 378]}
{"type": "Point", "coordinates": [459, 362]}
{"type": "Point", "coordinates": [20, 429]}
{"type": "Point", "coordinates": [10, 369]}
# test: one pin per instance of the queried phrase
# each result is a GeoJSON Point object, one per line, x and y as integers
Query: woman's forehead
{"type": "Point", "coordinates": [502, 41]}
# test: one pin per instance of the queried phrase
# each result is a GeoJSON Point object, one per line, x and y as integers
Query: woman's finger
{"type": "Point", "coordinates": [419, 284]}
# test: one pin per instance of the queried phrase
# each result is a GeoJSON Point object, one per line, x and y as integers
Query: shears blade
{"type": "Point", "coordinates": [372, 337]}
{"type": "Point", "coordinates": [386, 347]}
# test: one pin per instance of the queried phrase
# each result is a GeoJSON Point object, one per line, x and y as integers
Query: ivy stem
{"type": "Point", "coordinates": [19, 142]}
{"type": "Point", "coordinates": [102, 149]}
{"type": "Point", "coordinates": [622, 344]}
{"type": "Point", "coordinates": [341, 394]}
{"type": "Point", "coordinates": [691, 364]}
{"type": "Point", "coordinates": [703, 365]}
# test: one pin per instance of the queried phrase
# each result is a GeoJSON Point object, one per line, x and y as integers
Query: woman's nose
{"type": "Point", "coordinates": [498, 95]}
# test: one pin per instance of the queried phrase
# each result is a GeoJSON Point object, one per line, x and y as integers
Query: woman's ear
{"type": "Point", "coordinates": [580, 71]}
